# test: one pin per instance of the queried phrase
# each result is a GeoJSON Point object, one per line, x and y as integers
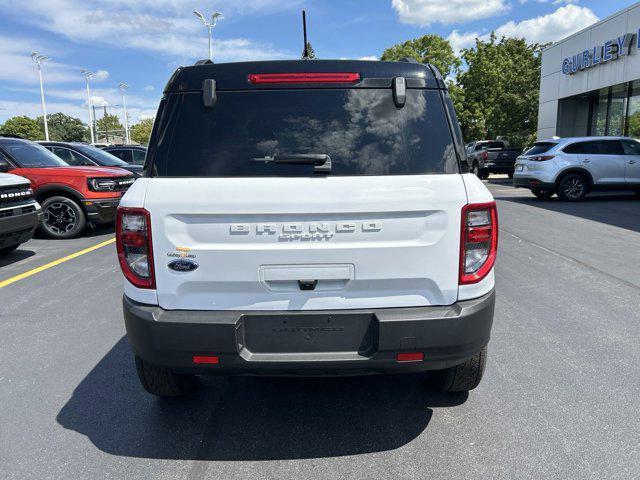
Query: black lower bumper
{"type": "Point", "coordinates": [520, 182]}
{"type": "Point", "coordinates": [339, 342]}
{"type": "Point", "coordinates": [19, 227]}
{"type": "Point", "coordinates": [101, 211]}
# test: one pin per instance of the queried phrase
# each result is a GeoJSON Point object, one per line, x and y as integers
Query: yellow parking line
{"type": "Point", "coordinates": [11, 280]}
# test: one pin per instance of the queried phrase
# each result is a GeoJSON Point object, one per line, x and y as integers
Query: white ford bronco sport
{"type": "Point", "coordinates": [307, 218]}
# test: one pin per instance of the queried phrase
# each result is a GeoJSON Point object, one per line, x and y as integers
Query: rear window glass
{"type": "Point", "coordinates": [540, 147]}
{"type": "Point", "coordinates": [362, 131]}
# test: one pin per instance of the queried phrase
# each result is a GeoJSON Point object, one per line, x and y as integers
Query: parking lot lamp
{"type": "Point", "coordinates": [123, 88]}
{"type": "Point", "coordinates": [40, 60]}
{"type": "Point", "coordinates": [87, 75]}
{"type": "Point", "coordinates": [209, 24]}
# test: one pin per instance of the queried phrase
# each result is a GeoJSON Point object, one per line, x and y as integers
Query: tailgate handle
{"type": "Point", "coordinates": [307, 284]}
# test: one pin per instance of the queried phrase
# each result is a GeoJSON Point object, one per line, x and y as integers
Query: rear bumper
{"type": "Point", "coordinates": [19, 227]}
{"type": "Point", "coordinates": [309, 343]}
{"type": "Point", "coordinates": [530, 182]}
{"type": "Point", "coordinates": [497, 168]}
{"type": "Point", "coordinates": [101, 210]}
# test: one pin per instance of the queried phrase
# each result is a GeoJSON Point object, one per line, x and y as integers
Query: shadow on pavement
{"type": "Point", "coordinates": [16, 256]}
{"type": "Point", "coordinates": [249, 418]}
{"type": "Point", "coordinates": [620, 210]}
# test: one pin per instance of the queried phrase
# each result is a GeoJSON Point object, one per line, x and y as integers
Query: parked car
{"type": "Point", "coordinates": [573, 167]}
{"type": "Point", "coordinates": [133, 154]}
{"type": "Point", "coordinates": [70, 197]}
{"type": "Point", "coordinates": [76, 154]}
{"type": "Point", "coordinates": [491, 156]}
{"type": "Point", "coordinates": [338, 237]}
{"type": "Point", "coordinates": [20, 213]}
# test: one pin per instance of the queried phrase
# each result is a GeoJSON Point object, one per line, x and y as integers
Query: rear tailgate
{"type": "Point", "coordinates": [368, 242]}
{"type": "Point", "coordinates": [502, 157]}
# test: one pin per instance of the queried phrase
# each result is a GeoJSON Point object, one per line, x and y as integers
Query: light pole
{"type": "Point", "coordinates": [123, 87]}
{"type": "Point", "coordinates": [209, 24]}
{"type": "Point", "coordinates": [87, 75]}
{"type": "Point", "coordinates": [40, 59]}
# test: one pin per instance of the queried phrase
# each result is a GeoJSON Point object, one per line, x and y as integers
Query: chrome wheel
{"type": "Point", "coordinates": [59, 218]}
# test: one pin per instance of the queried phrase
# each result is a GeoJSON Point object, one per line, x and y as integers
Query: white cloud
{"type": "Point", "coordinates": [426, 12]}
{"type": "Point", "coordinates": [552, 27]}
{"type": "Point", "coordinates": [367, 57]}
{"type": "Point", "coordinates": [459, 40]}
{"type": "Point", "coordinates": [543, 29]}
{"type": "Point", "coordinates": [100, 75]}
{"type": "Point", "coordinates": [149, 88]}
{"type": "Point", "coordinates": [165, 27]}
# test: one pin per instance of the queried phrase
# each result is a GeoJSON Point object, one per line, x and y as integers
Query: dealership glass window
{"type": "Point", "coordinates": [633, 115]}
{"type": "Point", "coordinates": [617, 109]}
{"type": "Point", "coordinates": [599, 115]}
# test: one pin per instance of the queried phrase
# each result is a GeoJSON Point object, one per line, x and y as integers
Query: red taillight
{"type": "Point", "coordinates": [542, 158]}
{"type": "Point", "coordinates": [135, 251]}
{"type": "Point", "coordinates": [485, 155]}
{"type": "Point", "coordinates": [410, 357]}
{"type": "Point", "coordinates": [304, 77]}
{"type": "Point", "coordinates": [206, 359]}
{"type": "Point", "coordinates": [478, 241]}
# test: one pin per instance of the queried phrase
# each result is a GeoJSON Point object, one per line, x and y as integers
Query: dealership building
{"type": "Point", "coordinates": [590, 81]}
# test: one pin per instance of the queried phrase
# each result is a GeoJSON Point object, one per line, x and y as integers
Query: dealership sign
{"type": "Point", "coordinates": [594, 56]}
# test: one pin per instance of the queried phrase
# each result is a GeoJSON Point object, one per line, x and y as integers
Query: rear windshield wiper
{"type": "Point", "coordinates": [321, 161]}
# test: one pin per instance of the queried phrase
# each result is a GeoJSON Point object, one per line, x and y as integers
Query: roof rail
{"type": "Point", "coordinates": [206, 61]}
{"type": "Point", "coordinates": [408, 60]}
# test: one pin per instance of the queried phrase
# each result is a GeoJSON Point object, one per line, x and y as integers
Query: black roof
{"type": "Point", "coordinates": [235, 76]}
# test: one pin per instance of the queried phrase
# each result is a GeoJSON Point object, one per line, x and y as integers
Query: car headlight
{"type": "Point", "coordinates": [102, 184]}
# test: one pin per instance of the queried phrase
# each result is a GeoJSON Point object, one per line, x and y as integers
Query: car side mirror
{"type": "Point", "coordinates": [4, 165]}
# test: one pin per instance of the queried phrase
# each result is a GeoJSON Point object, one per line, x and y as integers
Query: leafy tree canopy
{"type": "Point", "coordinates": [64, 128]}
{"type": "Point", "coordinates": [141, 131]}
{"type": "Point", "coordinates": [23, 127]}
{"type": "Point", "coordinates": [311, 53]}
{"type": "Point", "coordinates": [427, 49]}
{"type": "Point", "coordinates": [109, 122]}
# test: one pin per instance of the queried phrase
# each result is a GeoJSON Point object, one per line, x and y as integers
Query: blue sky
{"type": "Point", "coordinates": [140, 42]}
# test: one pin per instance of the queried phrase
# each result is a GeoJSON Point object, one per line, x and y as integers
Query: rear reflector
{"type": "Point", "coordinates": [410, 357]}
{"type": "Point", "coordinates": [211, 359]}
{"type": "Point", "coordinates": [304, 77]}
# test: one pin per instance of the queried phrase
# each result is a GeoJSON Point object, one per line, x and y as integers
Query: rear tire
{"type": "Point", "coordinates": [572, 187]}
{"type": "Point", "coordinates": [510, 174]}
{"type": "Point", "coordinates": [542, 194]}
{"type": "Point", "coordinates": [483, 175]}
{"type": "Point", "coordinates": [62, 218]}
{"type": "Point", "coordinates": [466, 376]}
{"type": "Point", "coordinates": [162, 382]}
{"type": "Point", "coordinates": [8, 250]}
{"type": "Point", "coordinates": [475, 169]}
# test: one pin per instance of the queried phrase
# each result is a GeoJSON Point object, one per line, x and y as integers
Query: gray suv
{"type": "Point", "coordinates": [573, 167]}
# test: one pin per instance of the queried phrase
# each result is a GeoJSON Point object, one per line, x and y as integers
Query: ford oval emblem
{"type": "Point", "coordinates": [182, 265]}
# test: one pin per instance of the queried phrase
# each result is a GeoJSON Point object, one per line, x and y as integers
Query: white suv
{"type": "Point", "coordinates": [307, 218]}
{"type": "Point", "coordinates": [572, 167]}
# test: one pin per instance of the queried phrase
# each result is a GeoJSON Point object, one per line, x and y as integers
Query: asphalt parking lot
{"type": "Point", "coordinates": [559, 398]}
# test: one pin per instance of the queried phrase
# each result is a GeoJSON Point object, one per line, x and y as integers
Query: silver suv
{"type": "Point", "coordinates": [573, 167]}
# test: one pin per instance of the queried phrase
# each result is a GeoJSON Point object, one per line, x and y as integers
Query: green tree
{"type": "Point", "coordinates": [141, 131]}
{"type": "Point", "coordinates": [109, 122]}
{"type": "Point", "coordinates": [64, 128]}
{"type": "Point", "coordinates": [427, 49]}
{"type": "Point", "coordinates": [501, 86]}
{"type": "Point", "coordinates": [634, 124]}
{"type": "Point", "coordinates": [311, 53]}
{"type": "Point", "coordinates": [23, 127]}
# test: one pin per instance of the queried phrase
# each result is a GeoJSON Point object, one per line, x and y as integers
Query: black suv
{"type": "Point", "coordinates": [132, 154]}
{"type": "Point", "coordinates": [80, 154]}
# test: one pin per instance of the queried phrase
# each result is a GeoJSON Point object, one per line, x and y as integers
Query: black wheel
{"type": "Point", "coordinates": [542, 194]}
{"type": "Point", "coordinates": [162, 382]}
{"type": "Point", "coordinates": [7, 250]}
{"type": "Point", "coordinates": [510, 174]}
{"type": "Point", "coordinates": [483, 174]}
{"type": "Point", "coordinates": [62, 218]}
{"type": "Point", "coordinates": [475, 169]}
{"type": "Point", "coordinates": [465, 376]}
{"type": "Point", "coordinates": [572, 187]}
